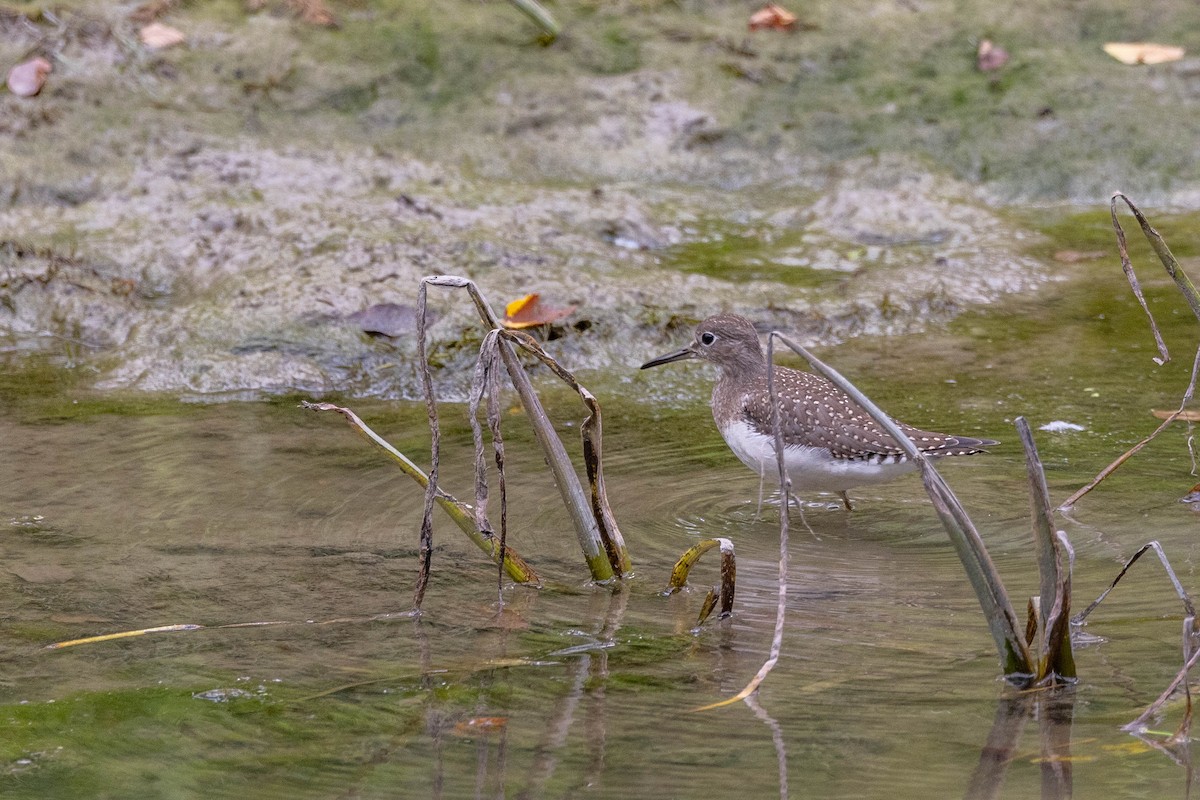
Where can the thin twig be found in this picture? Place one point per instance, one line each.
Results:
(1127, 266)
(785, 487)
(1111, 468)
(493, 416)
(459, 512)
(1154, 707)
(977, 562)
(1188, 607)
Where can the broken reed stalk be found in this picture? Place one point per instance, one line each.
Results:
(588, 528)
(540, 17)
(1015, 658)
(1054, 657)
(509, 560)
(591, 432)
(683, 567)
(1190, 295)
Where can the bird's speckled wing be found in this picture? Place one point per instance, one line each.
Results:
(815, 413)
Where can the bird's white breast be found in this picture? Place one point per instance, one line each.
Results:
(812, 469)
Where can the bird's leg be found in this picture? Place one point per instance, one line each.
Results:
(762, 477)
(846, 501)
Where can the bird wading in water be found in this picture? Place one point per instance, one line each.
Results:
(830, 443)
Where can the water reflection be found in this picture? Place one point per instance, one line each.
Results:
(1054, 711)
(885, 688)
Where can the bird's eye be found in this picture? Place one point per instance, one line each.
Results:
(707, 338)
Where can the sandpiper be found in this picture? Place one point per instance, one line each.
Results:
(831, 445)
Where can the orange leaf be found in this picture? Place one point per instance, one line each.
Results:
(27, 78)
(314, 12)
(1143, 52)
(529, 312)
(772, 16)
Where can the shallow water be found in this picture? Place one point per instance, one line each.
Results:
(125, 514)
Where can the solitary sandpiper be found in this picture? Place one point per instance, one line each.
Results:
(831, 445)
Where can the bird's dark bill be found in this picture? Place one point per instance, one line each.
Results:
(678, 355)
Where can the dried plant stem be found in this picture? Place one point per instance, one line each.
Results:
(1188, 607)
(587, 527)
(1055, 659)
(1190, 295)
(426, 547)
(1153, 709)
(985, 579)
(1111, 468)
(1165, 256)
(540, 16)
(785, 486)
(512, 563)
(591, 432)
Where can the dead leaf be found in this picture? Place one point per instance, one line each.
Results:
(314, 12)
(1143, 52)
(1075, 256)
(41, 573)
(151, 10)
(529, 312)
(389, 319)
(1186, 416)
(990, 57)
(480, 726)
(773, 17)
(157, 36)
(27, 78)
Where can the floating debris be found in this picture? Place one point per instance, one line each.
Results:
(1061, 426)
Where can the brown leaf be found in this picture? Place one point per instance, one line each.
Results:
(990, 57)
(480, 726)
(27, 78)
(773, 17)
(157, 36)
(529, 312)
(1186, 416)
(150, 10)
(389, 319)
(1075, 256)
(1143, 52)
(314, 12)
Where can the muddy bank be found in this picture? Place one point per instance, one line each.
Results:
(206, 220)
